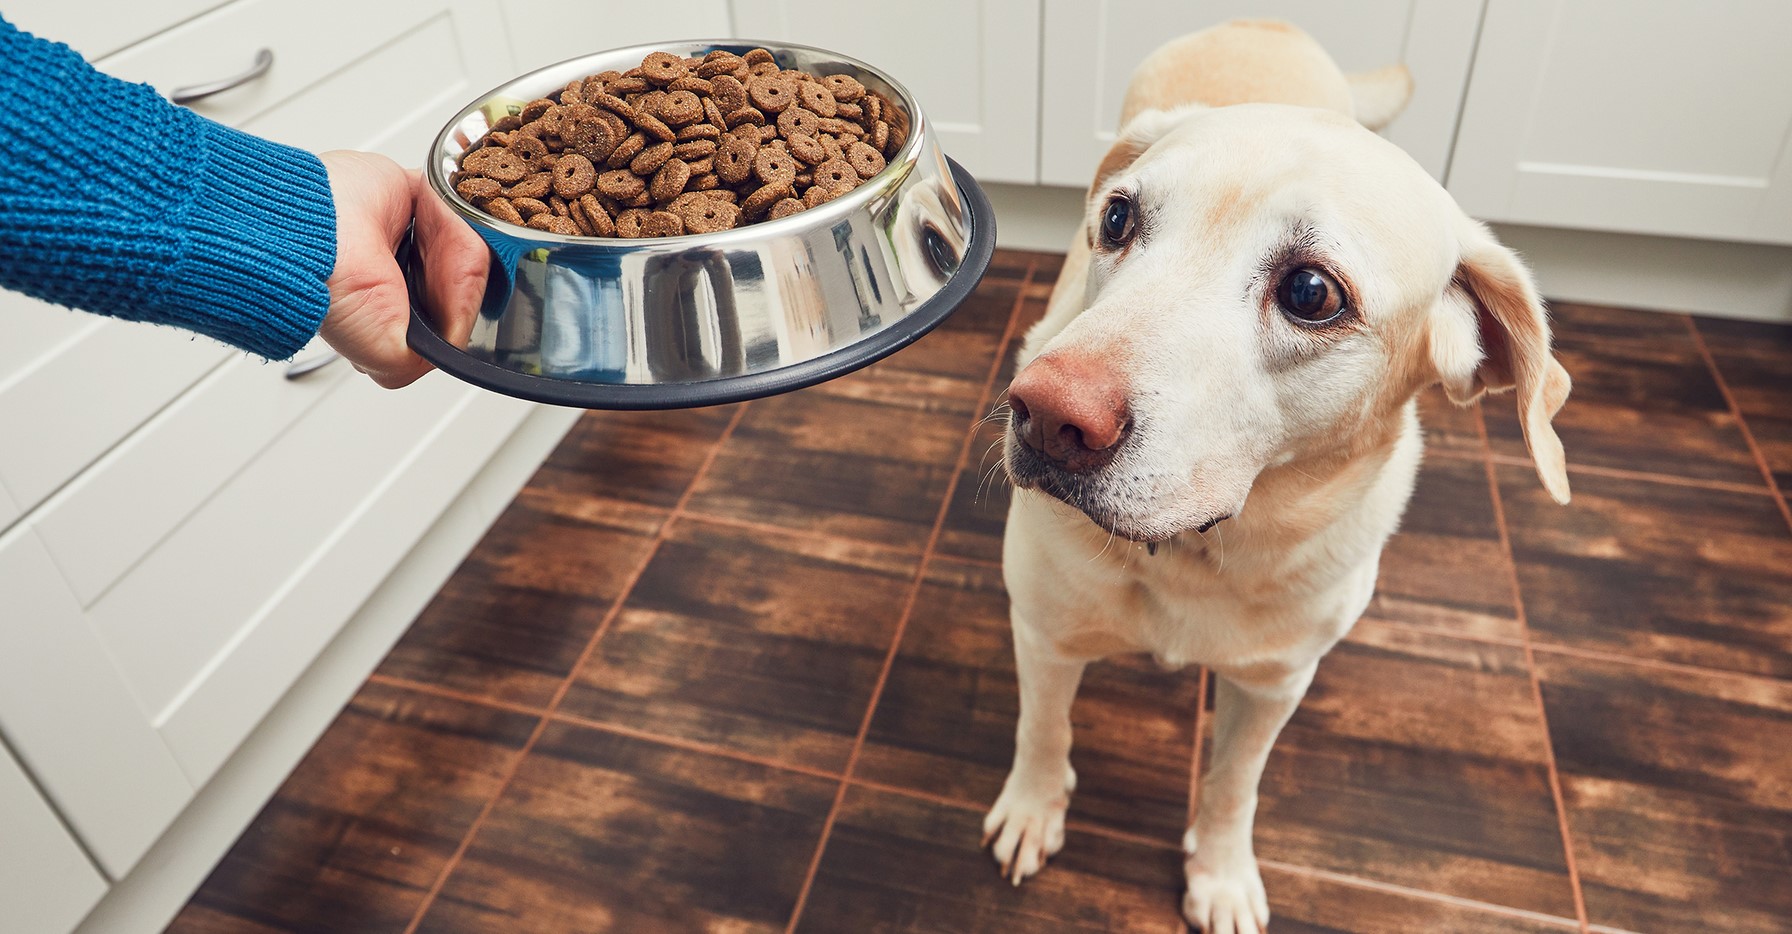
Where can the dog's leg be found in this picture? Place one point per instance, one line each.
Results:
(1225, 892)
(1027, 821)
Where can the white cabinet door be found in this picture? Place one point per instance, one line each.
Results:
(1673, 119)
(1091, 49)
(46, 883)
(973, 66)
(543, 32)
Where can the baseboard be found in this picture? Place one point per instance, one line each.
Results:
(1710, 277)
(144, 901)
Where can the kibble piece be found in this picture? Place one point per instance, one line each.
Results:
(758, 56)
(866, 160)
(663, 68)
(628, 223)
(722, 194)
(728, 93)
(650, 159)
(496, 163)
(529, 207)
(503, 210)
(746, 116)
(849, 111)
(765, 196)
(595, 214)
(817, 98)
(845, 88)
(765, 69)
(554, 223)
(669, 181)
(573, 175)
(620, 184)
(715, 65)
(662, 224)
(533, 110)
(708, 215)
(613, 104)
(836, 173)
(821, 194)
(534, 186)
(690, 83)
(785, 208)
(655, 128)
(627, 150)
(807, 148)
(771, 93)
(680, 108)
(507, 123)
(706, 182)
(734, 159)
(695, 149)
(627, 84)
(880, 136)
(477, 187)
(774, 166)
(797, 120)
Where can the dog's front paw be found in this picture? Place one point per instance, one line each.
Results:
(1027, 825)
(1225, 894)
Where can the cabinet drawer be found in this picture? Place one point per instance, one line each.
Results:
(117, 510)
(46, 883)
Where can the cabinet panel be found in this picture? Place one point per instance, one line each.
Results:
(97, 28)
(46, 882)
(69, 717)
(543, 32)
(1091, 49)
(1583, 114)
(973, 66)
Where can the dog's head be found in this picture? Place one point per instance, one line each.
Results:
(1267, 285)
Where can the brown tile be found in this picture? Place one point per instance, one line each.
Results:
(626, 469)
(1451, 428)
(1446, 569)
(600, 832)
(1306, 904)
(758, 641)
(511, 622)
(945, 722)
(868, 456)
(1658, 570)
(1643, 399)
(360, 830)
(1419, 760)
(895, 863)
(1677, 794)
(1755, 359)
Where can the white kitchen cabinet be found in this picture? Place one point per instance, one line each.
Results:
(1599, 114)
(973, 66)
(46, 882)
(1091, 49)
(543, 32)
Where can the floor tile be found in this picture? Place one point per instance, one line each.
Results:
(895, 863)
(1657, 570)
(945, 723)
(868, 456)
(1446, 569)
(1419, 760)
(600, 832)
(361, 829)
(511, 622)
(627, 469)
(1306, 904)
(1643, 399)
(1677, 794)
(758, 641)
(965, 344)
(1755, 359)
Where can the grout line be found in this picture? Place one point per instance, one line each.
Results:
(1678, 668)
(691, 745)
(1409, 892)
(1748, 436)
(1618, 473)
(1530, 662)
(447, 693)
(622, 594)
(789, 532)
(914, 593)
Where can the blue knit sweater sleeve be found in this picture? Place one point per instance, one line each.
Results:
(115, 201)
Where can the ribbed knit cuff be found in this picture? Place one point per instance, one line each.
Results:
(260, 245)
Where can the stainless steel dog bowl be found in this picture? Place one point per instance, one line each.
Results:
(711, 318)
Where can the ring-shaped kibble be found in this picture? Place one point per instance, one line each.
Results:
(628, 223)
(865, 160)
(653, 127)
(845, 88)
(815, 96)
(734, 160)
(722, 194)
(669, 181)
(764, 197)
(699, 86)
(573, 175)
(663, 68)
(763, 69)
(707, 182)
(559, 205)
(503, 210)
(848, 111)
(699, 132)
(590, 88)
(746, 116)
(874, 107)
(833, 147)
(771, 93)
(650, 159)
(680, 108)
(758, 56)
(648, 103)
(573, 93)
(594, 139)
(785, 208)
(774, 166)
(533, 110)
(679, 204)
(478, 187)
(553, 223)
(613, 104)
(601, 223)
(807, 148)
(797, 120)
(700, 166)
(626, 84)
(707, 215)
(719, 65)
(713, 115)
(819, 195)
(836, 173)
(728, 93)
(537, 185)
(529, 207)
(627, 150)
(498, 164)
(880, 136)
(620, 184)
(662, 224)
(695, 149)
(506, 123)
(531, 149)
(584, 223)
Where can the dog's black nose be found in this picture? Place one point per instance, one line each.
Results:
(1070, 409)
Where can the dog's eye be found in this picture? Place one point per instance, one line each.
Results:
(1310, 295)
(1117, 223)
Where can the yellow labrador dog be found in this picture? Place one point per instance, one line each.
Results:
(1214, 430)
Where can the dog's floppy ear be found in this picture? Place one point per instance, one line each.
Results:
(1492, 334)
(1380, 95)
(1136, 137)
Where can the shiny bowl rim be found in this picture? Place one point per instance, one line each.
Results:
(898, 166)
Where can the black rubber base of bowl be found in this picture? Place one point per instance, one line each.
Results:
(980, 246)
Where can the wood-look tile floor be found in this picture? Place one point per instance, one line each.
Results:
(748, 669)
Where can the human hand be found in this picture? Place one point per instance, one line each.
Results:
(370, 305)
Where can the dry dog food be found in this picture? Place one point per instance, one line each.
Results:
(681, 146)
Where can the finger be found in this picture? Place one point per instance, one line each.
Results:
(455, 262)
(369, 326)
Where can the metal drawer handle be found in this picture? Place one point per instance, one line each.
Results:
(264, 60)
(301, 368)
